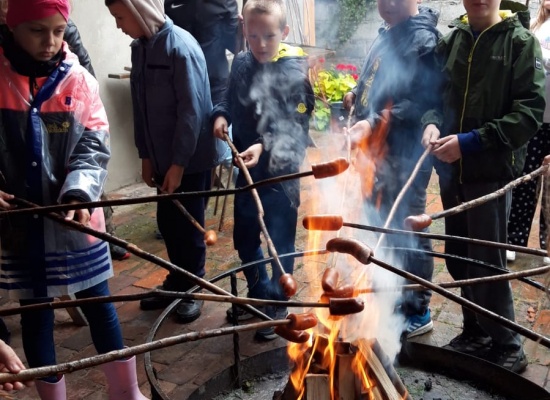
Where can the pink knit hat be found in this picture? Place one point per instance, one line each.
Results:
(20, 11)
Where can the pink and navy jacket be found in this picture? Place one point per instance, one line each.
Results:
(53, 146)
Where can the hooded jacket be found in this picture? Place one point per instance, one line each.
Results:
(54, 145)
(171, 97)
(270, 103)
(494, 85)
(397, 81)
(214, 24)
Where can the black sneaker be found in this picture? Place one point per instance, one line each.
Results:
(155, 303)
(118, 253)
(188, 311)
(510, 357)
(474, 345)
(242, 314)
(266, 334)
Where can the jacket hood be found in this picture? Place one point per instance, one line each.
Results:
(286, 50)
(427, 17)
(508, 10)
(149, 14)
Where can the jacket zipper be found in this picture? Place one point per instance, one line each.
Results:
(470, 57)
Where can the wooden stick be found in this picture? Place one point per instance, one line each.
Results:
(491, 196)
(163, 293)
(67, 367)
(465, 282)
(184, 211)
(155, 198)
(463, 302)
(401, 194)
(256, 196)
(132, 248)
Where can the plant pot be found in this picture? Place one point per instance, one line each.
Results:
(338, 117)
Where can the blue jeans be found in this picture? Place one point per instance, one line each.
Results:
(280, 218)
(37, 327)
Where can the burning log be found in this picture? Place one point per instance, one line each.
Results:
(420, 222)
(360, 371)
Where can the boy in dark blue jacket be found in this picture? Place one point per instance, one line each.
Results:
(171, 100)
(395, 88)
(268, 102)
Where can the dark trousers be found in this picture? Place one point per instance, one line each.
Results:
(280, 220)
(184, 242)
(484, 222)
(407, 250)
(525, 196)
(37, 327)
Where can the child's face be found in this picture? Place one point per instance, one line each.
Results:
(263, 33)
(41, 38)
(482, 9)
(125, 20)
(396, 11)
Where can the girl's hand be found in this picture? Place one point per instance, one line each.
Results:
(83, 215)
(430, 136)
(358, 133)
(447, 149)
(10, 362)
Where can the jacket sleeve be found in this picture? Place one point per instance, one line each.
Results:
(223, 108)
(230, 23)
(72, 37)
(515, 128)
(87, 163)
(433, 114)
(190, 86)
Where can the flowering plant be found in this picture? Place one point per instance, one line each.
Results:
(329, 86)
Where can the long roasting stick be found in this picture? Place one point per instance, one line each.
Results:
(401, 194)
(419, 222)
(287, 281)
(210, 236)
(318, 171)
(132, 248)
(67, 367)
(364, 255)
(350, 305)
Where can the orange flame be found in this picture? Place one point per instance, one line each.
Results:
(369, 155)
(372, 149)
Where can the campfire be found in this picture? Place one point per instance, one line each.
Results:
(327, 369)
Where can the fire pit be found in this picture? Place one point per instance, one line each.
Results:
(427, 372)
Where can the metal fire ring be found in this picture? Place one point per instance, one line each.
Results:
(417, 355)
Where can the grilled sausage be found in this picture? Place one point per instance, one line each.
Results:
(323, 222)
(354, 247)
(292, 335)
(331, 168)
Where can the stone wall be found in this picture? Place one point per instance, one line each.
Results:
(354, 51)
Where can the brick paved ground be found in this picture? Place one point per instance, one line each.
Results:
(183, 368)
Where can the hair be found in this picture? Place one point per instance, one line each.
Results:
(542, 16)
(110, 2)
(273, 7)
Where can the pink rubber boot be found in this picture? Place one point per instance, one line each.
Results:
(51, 391)
(122, 380)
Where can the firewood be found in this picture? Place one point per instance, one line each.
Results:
(317, 387)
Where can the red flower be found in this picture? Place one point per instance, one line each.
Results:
(355, 76)
(322, 60)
